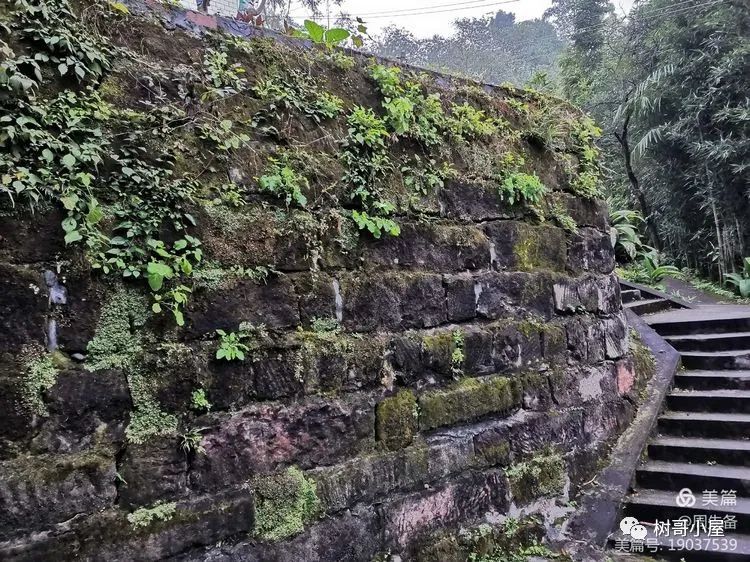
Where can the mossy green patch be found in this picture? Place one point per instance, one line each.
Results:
(535, 247)
(643, 360)
(147, 418)
(118, 344)
(396, 420)
(511, 541)
(145, 516)
(541, 475)
(468, 400)
(284, 504)
(118, 338)
(40, 374)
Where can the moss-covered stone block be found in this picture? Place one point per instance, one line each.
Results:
(541, 475)
(396, 420)
(284, 504)
(518, 246)
(468, 400)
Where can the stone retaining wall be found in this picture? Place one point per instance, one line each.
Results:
(454, 361)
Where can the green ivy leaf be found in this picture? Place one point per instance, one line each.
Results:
(69, 160)
(69, 201)
(73, 236)
(336, 35)
(315, 31)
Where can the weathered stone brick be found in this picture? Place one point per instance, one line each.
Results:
(466, 499)
(261, 438)
(37, 492)
(590, 294)
(368, 478)
(396, 420)
(274, 304)
(506, 294)
(350, 536)
(23, 308)
(524, 433)
(585, 212)
(519, 246)
(432, 246)
(108, 535)
(317, 297)
(392, 300)
(467, 201)
(152, 471)
(591, 250)
(461, 297)
(468, 400)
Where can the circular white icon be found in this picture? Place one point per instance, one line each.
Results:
(685, 498)
(627, 524)
(638, 532)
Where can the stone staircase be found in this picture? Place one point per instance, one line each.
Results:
(641, 302)
(702, 438)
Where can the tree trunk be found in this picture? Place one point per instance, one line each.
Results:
(635, 186)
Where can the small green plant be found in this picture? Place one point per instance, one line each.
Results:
(231, 347)
(190, 441)
(145, 516)
(221, 78)
(740, 281)
(457, 356)
(409, 112)
(649, 270)
(559, 214)
(587, 180)
(426, 177)
(365, 154)
(222, 135)
(332, 37)
(466, 122)
(624, 233)
(520, 187)
(199, 401)
(325, 325)
(377, 224)
(283, 181)
(293, 91)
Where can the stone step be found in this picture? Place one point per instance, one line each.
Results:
(711, 360)
(704, 424)
(730, 548)
(695, 450)
(663, 475)
(708, 380)
(699, 325)
(734, 401)
(648, 306)
(651, 505)
(711, 342)
(630, 295)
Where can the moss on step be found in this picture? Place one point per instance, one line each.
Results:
(396, 420)
(284, 504)
(541, 475)
(468, 400)
(643, 360)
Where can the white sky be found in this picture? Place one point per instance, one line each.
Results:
(380, 14)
